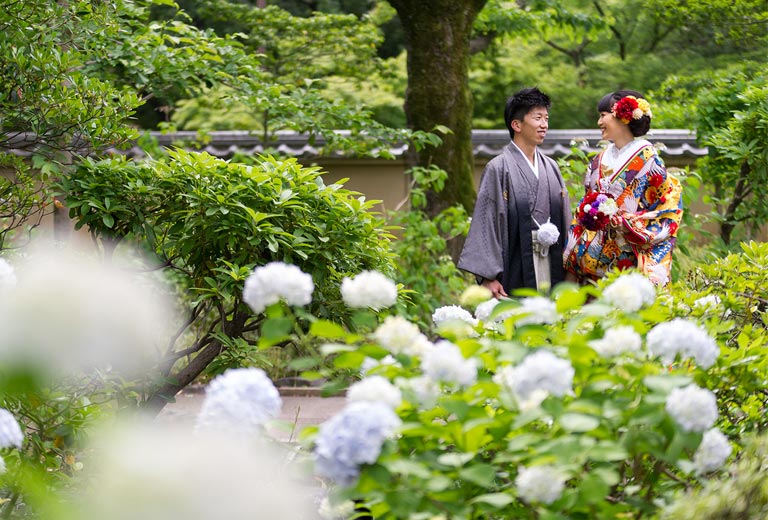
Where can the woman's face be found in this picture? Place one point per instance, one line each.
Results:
(611, 127)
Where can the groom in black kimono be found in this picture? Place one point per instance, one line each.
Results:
(521, 190)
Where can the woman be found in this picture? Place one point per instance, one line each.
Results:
(631, 209)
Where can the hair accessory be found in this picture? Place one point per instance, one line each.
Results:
(629, 107)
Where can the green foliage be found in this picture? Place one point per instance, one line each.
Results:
(425, 266)
(210, 222)
(730, 294)
(742, 494)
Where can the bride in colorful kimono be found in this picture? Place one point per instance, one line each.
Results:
(631, 209)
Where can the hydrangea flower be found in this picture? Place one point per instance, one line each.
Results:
(2, 466)
(617, 340)
(713, 451)
(474, 295)
(240, 400)
(351, 438)
(710, 300)
(400, 336)
(10, 431)
(340, 511)
(684, 337)
(277, 281)
(693, 408)
(538, 375)
(375, 389)
(452, 312)
(538, 310)
(629, 292)
(370, 363)
(424, 389)
(369, 289)
(7, 276)
(539, 484)
(445, 362)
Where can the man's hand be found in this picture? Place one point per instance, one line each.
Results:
(496, 288)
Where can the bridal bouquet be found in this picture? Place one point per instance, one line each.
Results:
(595, 210)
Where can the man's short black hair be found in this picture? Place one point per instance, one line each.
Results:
(523, 102)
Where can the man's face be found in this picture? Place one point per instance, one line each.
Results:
(533, 128)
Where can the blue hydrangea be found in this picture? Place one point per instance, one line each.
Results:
(351, 438)
(239, 400)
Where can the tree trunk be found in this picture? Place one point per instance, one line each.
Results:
(437, 35)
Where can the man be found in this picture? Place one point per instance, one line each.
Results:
(521, 192)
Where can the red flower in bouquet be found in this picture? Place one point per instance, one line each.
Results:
(595, 210)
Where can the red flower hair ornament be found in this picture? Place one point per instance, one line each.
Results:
(629, 108)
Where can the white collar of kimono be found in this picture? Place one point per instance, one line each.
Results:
(534, 165)
(615, 158)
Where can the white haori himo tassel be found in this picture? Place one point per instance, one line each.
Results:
(547, 233)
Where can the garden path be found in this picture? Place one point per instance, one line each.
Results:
(301, 408)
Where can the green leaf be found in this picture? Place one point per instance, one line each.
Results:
(578, 422)
(496, 500)
(666, 383)
(481, 474)
(327, 329)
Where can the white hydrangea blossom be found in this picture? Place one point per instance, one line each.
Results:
(538, 375)
(239, 400)
(452, 312)
(351, 438)
(2, 466)
(10, 431)
(400, 336)
(375, 389)
(445, 362)
(539, 484)
(370, 363)
(693, 408)
(341, 511)
(424, 389)
(629, 292)
(7, 276)
(684, 337)
(710, 300)
(369, 289)
(538, 309)
(616, 341)
(474, 295)
(713, 451)
(277, 281)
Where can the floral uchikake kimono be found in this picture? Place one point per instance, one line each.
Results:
(628, 217)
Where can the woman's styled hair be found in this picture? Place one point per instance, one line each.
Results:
(638, 127)
(522, 102)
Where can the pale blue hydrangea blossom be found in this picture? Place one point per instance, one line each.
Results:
(351, 438)
(10, 431)
(683, 337)
(400, 336)
(369, 289)
(445, 363)
(537, 309)
(452, 312)
(629, 292)
(538, 375)
(616, 341)
(239, 400)
(693, 408)
(7, 276)
(539, 484)
(276, 281)
(713, 451)
(375, 389)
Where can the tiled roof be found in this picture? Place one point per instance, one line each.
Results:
(486, 143)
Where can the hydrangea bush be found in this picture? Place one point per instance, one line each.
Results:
(594, 402)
